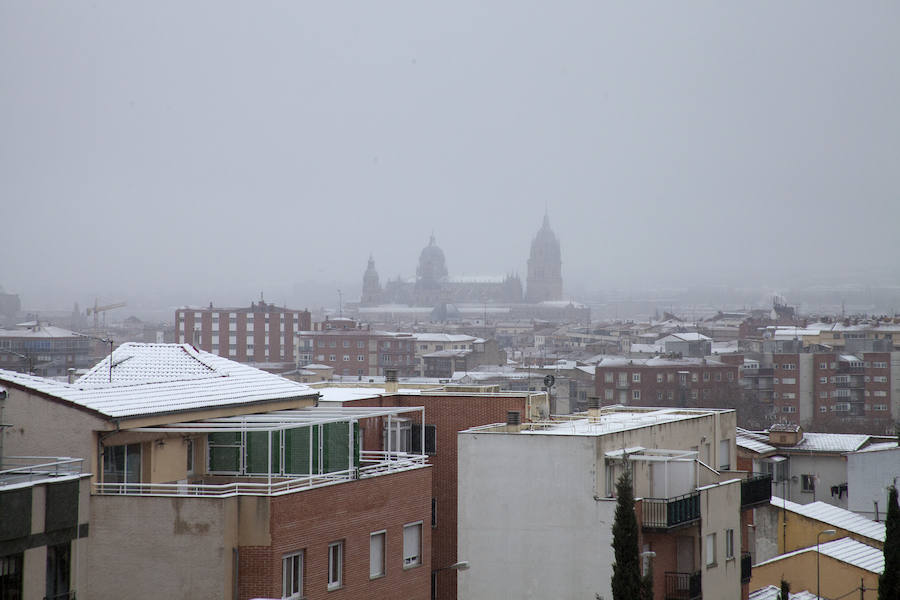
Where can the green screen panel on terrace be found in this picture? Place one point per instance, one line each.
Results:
(297, 451)
(225, 452)
(336, 446)
(258, 452)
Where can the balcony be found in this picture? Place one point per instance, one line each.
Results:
(746, 567)
(756, 491)
(669, 513)
(683, 586)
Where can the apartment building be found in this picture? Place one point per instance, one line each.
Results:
(447, 412)
(46, 350)
(806, 467)
(244, 487)
(354, 349)
(260, 333)
(840, 392)
(537, 504)
(44, 526)
(666, 381)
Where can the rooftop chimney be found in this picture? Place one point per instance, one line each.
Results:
(71, 373)
(390, 381)
(594, 407)
(513, 420)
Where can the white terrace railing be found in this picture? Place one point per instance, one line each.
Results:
(371, 464)
(25, 469)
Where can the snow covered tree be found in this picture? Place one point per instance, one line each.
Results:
(889, 581)
(626, 579)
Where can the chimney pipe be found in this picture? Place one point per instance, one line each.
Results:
(594, 407)
(513, 421)
(71, 374)
(390, 381)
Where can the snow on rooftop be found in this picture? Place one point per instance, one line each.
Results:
(846, 550)
(685, 337)
(771, 592)
(613, 421)
(659, 362)
(443, 337)
(164, 378)
(753, 443)
(880, 447)
(834, 516)
(830, 442)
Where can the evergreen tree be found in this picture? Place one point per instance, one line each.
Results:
(785, 590)
(626, 579)
(889, 581)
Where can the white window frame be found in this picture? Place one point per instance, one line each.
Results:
(411, 560)
(710, 550)
(729, 544)
(292, 588)
(335, 565)
(381, 571)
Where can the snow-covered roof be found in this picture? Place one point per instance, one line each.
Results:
(753, 442)
(834, 516)
(616, 420)
(40, 331)
(660, 362)
(880, 447)
(771, 592)
(729, 347)
(829, 442)
(846, 550)
(685, 337)
(647, 348)
(164, 378)
(444, 337)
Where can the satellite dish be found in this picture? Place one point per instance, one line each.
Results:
(549, 380)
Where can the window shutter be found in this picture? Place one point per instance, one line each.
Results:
(376, 555)
(411, 543)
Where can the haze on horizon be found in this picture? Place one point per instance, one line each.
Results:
(214, 149)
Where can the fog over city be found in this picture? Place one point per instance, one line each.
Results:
(185, 153)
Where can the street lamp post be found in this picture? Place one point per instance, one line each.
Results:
(821, 533)
(462, 565)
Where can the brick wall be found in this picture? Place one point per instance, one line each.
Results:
(348, 512)
(449, 414)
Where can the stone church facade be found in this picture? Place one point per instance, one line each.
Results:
(434, 286)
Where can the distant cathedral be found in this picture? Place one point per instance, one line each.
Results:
(434, 286)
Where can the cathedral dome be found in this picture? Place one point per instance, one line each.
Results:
(544, 266)
(432, 265)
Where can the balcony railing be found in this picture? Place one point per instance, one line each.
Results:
(683, 586)
(25, 469)
(666, 513)
(746, 567)
(371, 464)
(756, 490)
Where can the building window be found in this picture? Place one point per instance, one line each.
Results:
(608, 377)
(808, 483)
(360, 344)
(189, 448)
(346, 343)
(122, 464)
(608, 393)
(335, 565)
(694, 378)
(823, 380)
(718, 376)
(412, 545)
(659, 396)
(823, 365)
(823, 409)
(636, 377)
(331, 357)
(416, 438)
(433, 512)
(710, 550)
(292, 575)
(346, 358)
(724, 455)
(11, 576)
(705, 375)
(376, 554)
(635, 394)
(59, 561)
(729, 543)
(361, 357)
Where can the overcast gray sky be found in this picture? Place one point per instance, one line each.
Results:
(210, 146)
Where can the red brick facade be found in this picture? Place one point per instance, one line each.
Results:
(310, 520)
(707, 384)
(231, 332)
(449, 414)
(359, 352)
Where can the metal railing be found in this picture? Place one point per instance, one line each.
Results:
(683, 586)
(755, 490)
(746, 567)
(24, 469)
(372, 464)
(665, 513)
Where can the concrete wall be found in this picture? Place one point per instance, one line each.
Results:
(545, 536)
(806, 392)
(720, 511)
(837, 579)
(42, 427)
(160, 547)
(831, 470)
(868, 476)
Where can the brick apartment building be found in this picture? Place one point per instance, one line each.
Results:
(45, 350)
(260, 333)
(447, 413)
(353, 349)
(244, 488)
(682, 382)
(827, 390)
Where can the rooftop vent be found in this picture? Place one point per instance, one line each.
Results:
(513, 417)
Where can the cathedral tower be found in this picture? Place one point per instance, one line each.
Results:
(371, 291)
(544, 266)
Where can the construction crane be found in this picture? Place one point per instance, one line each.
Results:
(96, 310)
